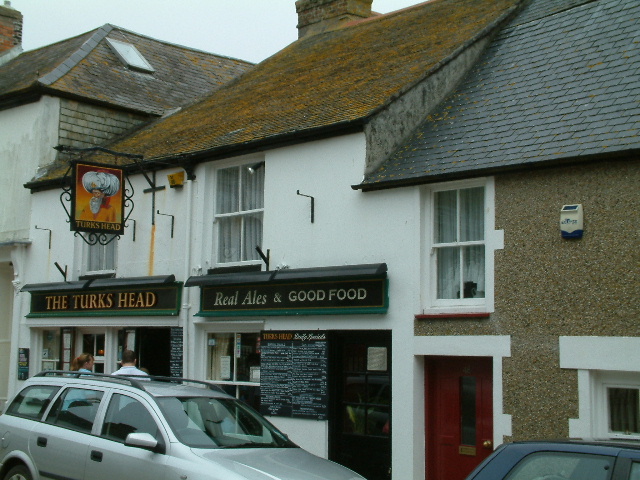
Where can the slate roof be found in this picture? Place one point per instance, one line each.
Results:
(86, 67)
(556, 85)
(327, 82)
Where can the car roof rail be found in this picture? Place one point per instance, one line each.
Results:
(210, 385)
(97, 376)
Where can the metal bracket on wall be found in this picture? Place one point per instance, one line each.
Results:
(47, 229)
(312, 203)
(172, 219)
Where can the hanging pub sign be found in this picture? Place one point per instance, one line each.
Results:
(97, 204)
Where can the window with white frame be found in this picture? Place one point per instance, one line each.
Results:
(101, 258)
(617, 405)
(458, 246)
(239, 210)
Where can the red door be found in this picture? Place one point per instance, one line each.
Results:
(459, 418)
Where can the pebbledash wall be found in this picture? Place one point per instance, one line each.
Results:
(568, 307)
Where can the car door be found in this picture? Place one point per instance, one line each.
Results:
(59, 445)
(110, 458)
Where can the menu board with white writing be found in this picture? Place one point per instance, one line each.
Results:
(293, 374)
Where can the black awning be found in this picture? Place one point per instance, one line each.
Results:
(98, 283)
(377, 270)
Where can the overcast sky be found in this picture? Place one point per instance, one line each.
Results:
(247, 29)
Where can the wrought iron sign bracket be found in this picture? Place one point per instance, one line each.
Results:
(66, 197)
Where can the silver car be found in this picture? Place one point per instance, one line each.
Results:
(100, 427)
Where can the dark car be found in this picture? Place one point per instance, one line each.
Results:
(561, 460)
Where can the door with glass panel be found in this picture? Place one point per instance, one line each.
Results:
(360, 421)
(234, 364)
(459, 415)
(92, 342)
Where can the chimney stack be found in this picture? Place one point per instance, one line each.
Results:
(317, 16)
(10, 27)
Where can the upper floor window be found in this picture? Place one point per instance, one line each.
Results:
(458, 248)
(239, 211)
(101, 258)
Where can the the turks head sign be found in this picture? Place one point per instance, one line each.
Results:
(97, 203)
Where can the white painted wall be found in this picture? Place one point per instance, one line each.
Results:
(27, 135)
(350, 228)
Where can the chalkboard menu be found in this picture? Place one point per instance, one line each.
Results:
(293, 374)
(175, 360)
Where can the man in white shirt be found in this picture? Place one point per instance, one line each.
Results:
(129, 360)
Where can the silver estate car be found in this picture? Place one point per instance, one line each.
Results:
(100, 427)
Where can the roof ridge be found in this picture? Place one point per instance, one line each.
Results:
(76, 57)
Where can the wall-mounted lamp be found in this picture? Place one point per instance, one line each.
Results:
(254, 168)
(176, 180)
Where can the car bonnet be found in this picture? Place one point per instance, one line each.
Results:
(277, 464)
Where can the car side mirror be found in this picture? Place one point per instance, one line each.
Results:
(145, 441)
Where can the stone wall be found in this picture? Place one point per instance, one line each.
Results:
(546, 287)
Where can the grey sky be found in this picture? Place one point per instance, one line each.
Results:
(247, 29)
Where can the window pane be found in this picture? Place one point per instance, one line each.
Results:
(448, 273)
(468, 411)
(253, 188)
(562, 465)
(248, 361)
(227, 194)
(32, 401)
(229, 238)
(473, 275)
(126, 415)
(102, 257)
(221, 349)
(446, 217)
(252, 236)
(472, 214)
(76, 409)
(624, 405)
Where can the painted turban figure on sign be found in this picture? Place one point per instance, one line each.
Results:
(102, 186)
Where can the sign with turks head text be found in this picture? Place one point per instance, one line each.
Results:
(97, 203)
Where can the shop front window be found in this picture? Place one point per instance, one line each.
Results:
(234, 364)
(51, 349)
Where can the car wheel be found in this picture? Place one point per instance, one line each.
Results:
(19, 472)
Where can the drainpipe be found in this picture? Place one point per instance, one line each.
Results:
(185, 310)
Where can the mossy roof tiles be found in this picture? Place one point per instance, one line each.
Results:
(323, 81)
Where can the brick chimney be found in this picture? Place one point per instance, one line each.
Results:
(10, 27)
(317, 16)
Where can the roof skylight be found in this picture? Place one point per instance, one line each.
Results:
(130, 56)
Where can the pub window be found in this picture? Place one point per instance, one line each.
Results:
(234, 364)
(239, 206)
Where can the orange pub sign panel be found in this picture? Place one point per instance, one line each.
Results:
(97, 199)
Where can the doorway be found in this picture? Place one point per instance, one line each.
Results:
(154, 350)
(92, 342)
(360, 425)
(458, 415)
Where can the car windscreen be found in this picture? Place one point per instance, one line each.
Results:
(208, 422)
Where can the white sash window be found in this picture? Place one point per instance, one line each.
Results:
(238, 213)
